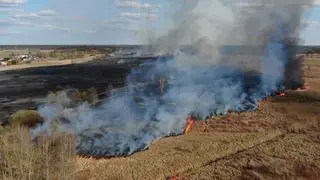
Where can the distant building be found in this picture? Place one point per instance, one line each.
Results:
(3, 64)
(22, 57)
(4, 59)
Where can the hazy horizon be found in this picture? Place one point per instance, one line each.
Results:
(104, 22)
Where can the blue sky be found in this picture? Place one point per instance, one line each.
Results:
(97, 21)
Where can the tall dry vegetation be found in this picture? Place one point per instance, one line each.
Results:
(47, 158)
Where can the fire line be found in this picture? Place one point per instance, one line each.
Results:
(189, 124)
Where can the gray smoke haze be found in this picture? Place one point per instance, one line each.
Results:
(201, 78)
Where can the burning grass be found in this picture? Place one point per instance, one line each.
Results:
(285, 127)
(282, 133)
(237, 144)
(189, 124)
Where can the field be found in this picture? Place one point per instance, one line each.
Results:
(26, 88)
(28, 57)
(281, 140)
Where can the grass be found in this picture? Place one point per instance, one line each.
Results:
(286, 157)
(78, 96)
(28, 118)
(48, 158)
(279, 141)
(89, 95)
(63, 54)
(4, 53)
(284, 134)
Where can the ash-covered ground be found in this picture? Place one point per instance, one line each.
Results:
(26, 88)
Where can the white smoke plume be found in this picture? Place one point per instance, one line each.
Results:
(201, 78)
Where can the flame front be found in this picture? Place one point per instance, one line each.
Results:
(190, 122)
(176, 178)
(281, 93)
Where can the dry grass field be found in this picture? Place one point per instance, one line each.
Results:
(48, 158)
(279, 141)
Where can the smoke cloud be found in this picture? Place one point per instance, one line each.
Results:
(202, 76)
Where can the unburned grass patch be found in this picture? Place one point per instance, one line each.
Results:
(290, 156)
(298, 97)
(27, 118)
(47, 158)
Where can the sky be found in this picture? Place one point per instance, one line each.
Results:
(99, 21)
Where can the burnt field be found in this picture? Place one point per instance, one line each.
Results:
(25, 88)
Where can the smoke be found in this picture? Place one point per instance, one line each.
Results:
(199, 78)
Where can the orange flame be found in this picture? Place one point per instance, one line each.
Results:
(190, 122)
(176, 178)
(259, 104)
(173, 178)
(281, 93)
(304, 88)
